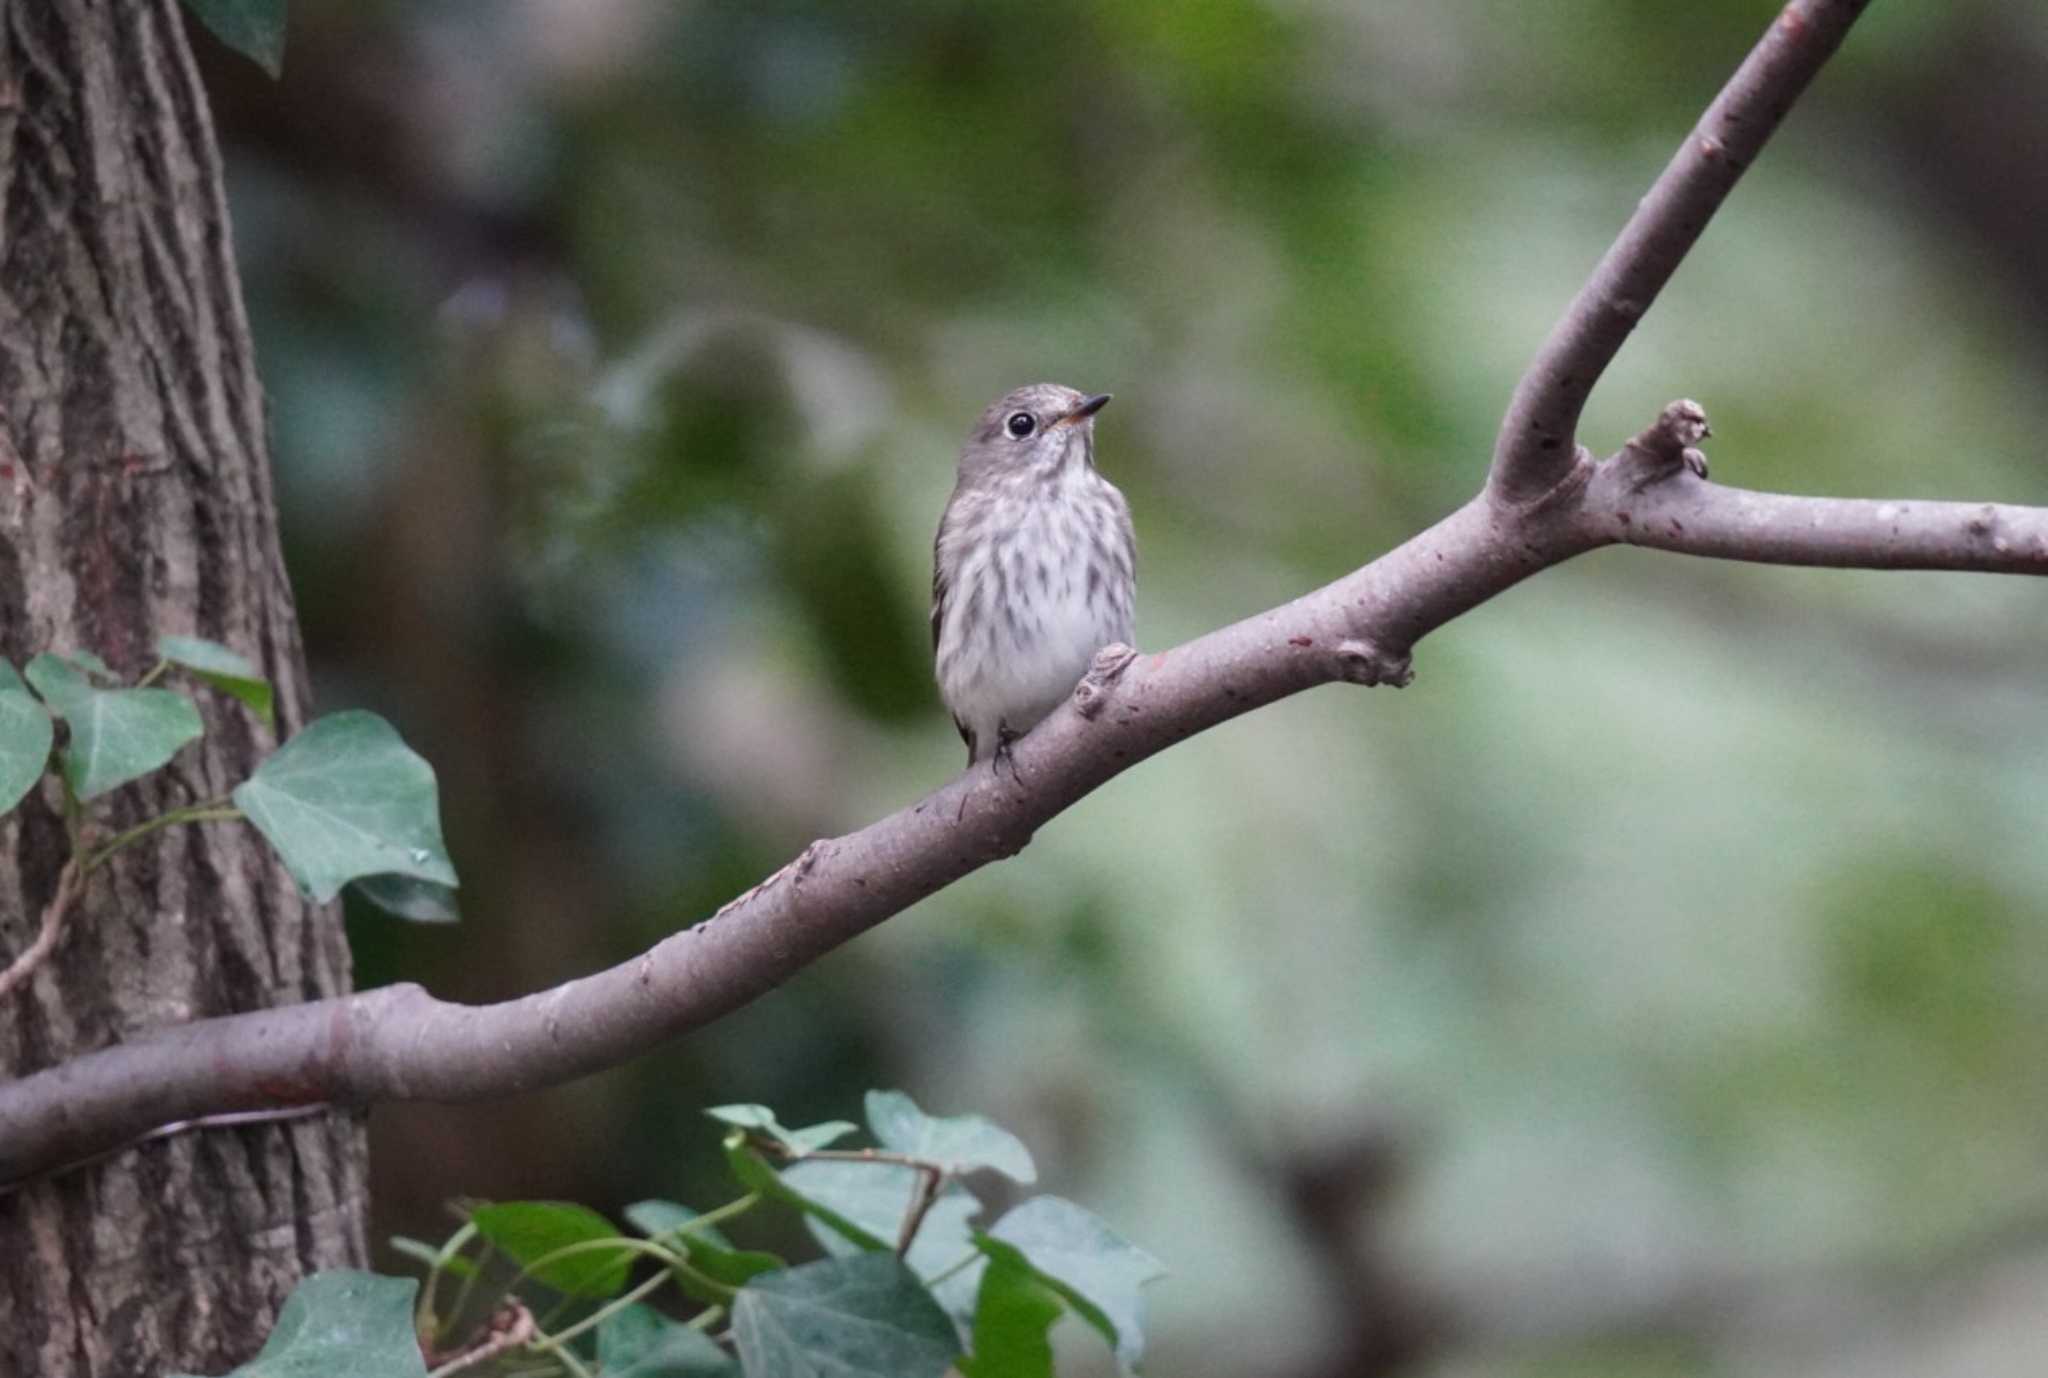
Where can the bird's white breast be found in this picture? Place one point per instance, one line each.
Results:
(1024, 614)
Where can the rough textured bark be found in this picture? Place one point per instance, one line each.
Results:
(135, 500)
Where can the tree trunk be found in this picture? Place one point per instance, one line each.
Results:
(135, 500)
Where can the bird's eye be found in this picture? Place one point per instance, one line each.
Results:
(1021, 424)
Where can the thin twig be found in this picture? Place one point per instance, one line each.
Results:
(511, 1327)
(931, 1180)
(69, 882)
(931, 1176)
(841, 1155)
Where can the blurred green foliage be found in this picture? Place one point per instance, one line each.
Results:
(1672, 946)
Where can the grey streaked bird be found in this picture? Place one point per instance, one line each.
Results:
(1034, 569)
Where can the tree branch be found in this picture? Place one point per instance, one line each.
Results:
(1537, 446)
(399, 1043)
(1642, 496)
(1543, 505)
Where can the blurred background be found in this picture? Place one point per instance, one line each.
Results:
(1658, 986)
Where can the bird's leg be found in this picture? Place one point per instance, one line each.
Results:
(1003, 755)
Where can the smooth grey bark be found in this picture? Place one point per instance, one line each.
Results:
(399, 1043)
(135, 501)
(1538, 435)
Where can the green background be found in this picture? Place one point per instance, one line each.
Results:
(1656, 986)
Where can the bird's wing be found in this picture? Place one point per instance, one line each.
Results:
(941, 586)
(942, 589)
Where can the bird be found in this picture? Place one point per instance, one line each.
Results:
(1034, 568)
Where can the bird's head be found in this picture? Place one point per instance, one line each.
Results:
(1042, 427)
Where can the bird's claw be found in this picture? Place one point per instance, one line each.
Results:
(1004, 756)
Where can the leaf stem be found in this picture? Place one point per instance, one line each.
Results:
(845, 1155)
(931, 1180)
(456, 1243)
(213, 811)
(74, 812)
(668, 1258)
(960, 1264)
(156, 672)
(568, 1360)
(602, 1314)
(461, 1302)
(718, 1216)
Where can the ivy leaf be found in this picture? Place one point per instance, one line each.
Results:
(753, 1172)
(960, 1143)
(799, 1142)
(116, 734)
(659, 1219)
(640, 1342)
(528, 1231)
(253, 28)
(864, 1317)
(215, 664)
(25, 736)
(1094, 1268)
(409, 897)
(813, 1137)
(344, 799)
(342, 1324)
(1014, 1311)
(876, 1197)
(756, 1117)
(87, 661)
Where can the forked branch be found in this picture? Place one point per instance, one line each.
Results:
(1543, 504)
(1538, 437)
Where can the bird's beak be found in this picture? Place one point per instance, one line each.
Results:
(1088, 407)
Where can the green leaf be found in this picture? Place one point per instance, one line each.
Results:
(813, 1137)
(62, 684)
(745, 1117)
(864, 1317)
(660, 1219)
(732, 1267)
(528, 1231)
(1086, 1262)
(409, 897)
(253, 28)
(640, 1342)
(342, 1324)
(1014, 1313)
(346, 799)
(876, 1197)
(753, 1172)
(86, 660)
(799, 1142)
(223, 669)
(25, 736)
(960, 1143)
(709, 1252)
(116, 734)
